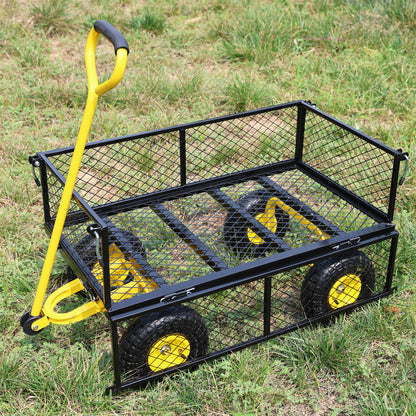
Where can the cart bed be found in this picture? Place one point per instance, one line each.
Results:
(173, 189)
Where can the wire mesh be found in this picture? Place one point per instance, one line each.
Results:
(249, 312)
(267, 202)
(349, 160)
(185, 237)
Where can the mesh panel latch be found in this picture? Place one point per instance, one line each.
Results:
(177, 295)
(94, 230)
(35, 162)
(406, 168)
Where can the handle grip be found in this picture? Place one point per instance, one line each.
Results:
(112, 34)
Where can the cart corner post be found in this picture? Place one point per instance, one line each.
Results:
(300, 132)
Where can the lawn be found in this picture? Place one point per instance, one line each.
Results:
(192, 60)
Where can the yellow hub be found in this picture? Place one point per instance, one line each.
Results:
(345, 291)
(168, 351)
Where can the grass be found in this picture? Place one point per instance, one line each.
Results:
(191, 60)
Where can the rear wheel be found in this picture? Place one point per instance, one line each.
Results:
(163, 340)
(337, 282)
(244, 241)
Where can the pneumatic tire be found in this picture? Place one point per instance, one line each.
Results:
(162, 340)
(337, 282)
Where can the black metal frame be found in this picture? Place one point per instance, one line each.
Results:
(222, 277)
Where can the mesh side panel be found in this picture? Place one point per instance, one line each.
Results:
(233, 316)
(121, 170)
(229, 318)
(286, 307)
(242, 143)
(379, 256)
(348, 160)
(143, 165)
(55, 190)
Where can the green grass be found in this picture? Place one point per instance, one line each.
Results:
(191, 60)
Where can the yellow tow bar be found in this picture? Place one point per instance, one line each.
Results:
(42, 313)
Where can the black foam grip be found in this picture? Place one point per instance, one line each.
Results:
(112, 34)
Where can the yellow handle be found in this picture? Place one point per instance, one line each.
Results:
(94, 91)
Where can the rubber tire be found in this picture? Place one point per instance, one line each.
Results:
(144, 331)
(86, 248)
(322, 276)
(26, 322)
(235, 228)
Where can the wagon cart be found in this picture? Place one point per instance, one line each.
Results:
(201, 239)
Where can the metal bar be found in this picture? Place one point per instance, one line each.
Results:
(300, 133)
(45, 193)
(189, 238)
(116, 356)
(182, 155)
(321, 222)
(106, 268)
(393, 185)
(390, 266)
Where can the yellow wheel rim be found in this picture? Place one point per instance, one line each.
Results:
(268, 219)
(168, 351)
(345, 291)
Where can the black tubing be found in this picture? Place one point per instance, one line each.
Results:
(112, 34)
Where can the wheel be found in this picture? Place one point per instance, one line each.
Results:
(241, 239)
(337, 282)
(86, 248)
(162, 340)
(26, 322)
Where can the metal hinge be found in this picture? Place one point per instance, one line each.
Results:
(351, 242)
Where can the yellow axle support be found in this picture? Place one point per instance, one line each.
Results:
(268, 219)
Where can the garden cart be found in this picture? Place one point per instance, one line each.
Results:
(203, 238)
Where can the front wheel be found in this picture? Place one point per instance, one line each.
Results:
(337, 282)
(162, 340)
